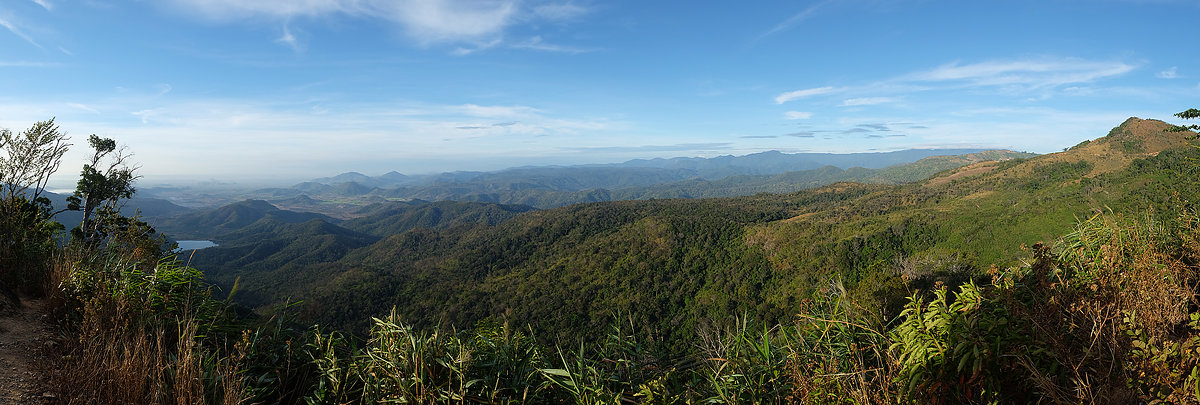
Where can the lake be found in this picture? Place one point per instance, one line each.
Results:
(185, 245)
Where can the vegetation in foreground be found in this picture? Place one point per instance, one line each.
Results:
(1108, 313)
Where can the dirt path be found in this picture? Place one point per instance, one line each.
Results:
(25, 337)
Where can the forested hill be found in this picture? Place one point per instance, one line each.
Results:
(549, 187)
(675, 266)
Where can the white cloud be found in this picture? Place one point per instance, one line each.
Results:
(566, 11)
(536, 43)
(45, 4)
(84, 107)
(284, 136)
(480, 46)
(494, 111)
(792, 95)
(1169, 73)
(430, 21)
(866, 101)
(793, 20)
(289, 40)
(29, 64)
(147, 114)
(1029, 73)
(797, 115)
(17, 31)
(425, 21)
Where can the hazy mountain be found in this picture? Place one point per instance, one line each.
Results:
(218, 224)
(727, 176)
(146, 207)
(773, 162)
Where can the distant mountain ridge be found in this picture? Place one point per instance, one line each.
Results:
(555, 186)
(762, 163)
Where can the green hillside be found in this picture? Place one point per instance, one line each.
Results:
(678, 266)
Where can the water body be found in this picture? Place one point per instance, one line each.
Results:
(185, 245)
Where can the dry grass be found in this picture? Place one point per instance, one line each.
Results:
(120, 352)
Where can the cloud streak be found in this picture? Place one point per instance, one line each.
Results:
(792, 95)
(797, 115)
(475, 22)
(794, 20)
(18, 32)
(1029, 73)
(680, 147)
(854, 102)
(29, 64)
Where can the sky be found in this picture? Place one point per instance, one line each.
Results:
(234, 90)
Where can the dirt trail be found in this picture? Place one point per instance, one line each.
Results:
(25, 338)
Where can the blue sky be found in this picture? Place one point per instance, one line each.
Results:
(235, 90)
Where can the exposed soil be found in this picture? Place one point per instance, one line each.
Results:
(25, 341)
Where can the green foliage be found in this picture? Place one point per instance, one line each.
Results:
(27, 229)
(1187, 115)
(105, 180)
(949, 350)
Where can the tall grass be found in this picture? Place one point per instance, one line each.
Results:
(141, 336)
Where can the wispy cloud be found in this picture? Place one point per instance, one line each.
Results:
(163, 89)
(797, 115)
(852, 102)
(1171, 73)
(1029, 73)
(432, 21)
(84, 108)
(495, 111)
(804, 134)
(474, 22)
(793, 20)
(18, 32)
(792, 95)
(680, 147)
(537, 44)
(288, 39)
(877, 127)
(29, 64)
(758, 136)
(46, 4)
(560, 12)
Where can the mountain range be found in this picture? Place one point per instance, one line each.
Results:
(677, 266)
